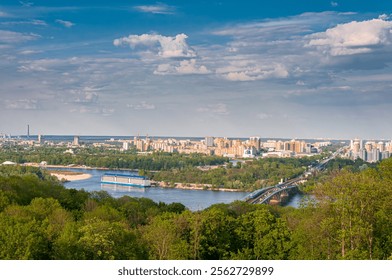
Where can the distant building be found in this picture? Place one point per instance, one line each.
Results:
(249, 153)
(209, 141)
(40, 139)
(76, 141)
(385, 154)
(255, 142)
(125, 146)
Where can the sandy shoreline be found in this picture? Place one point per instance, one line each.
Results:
(70, 177)
(84, 176)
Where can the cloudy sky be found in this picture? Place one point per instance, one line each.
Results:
(283, 68)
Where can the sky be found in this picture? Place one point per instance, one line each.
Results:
(278, 69)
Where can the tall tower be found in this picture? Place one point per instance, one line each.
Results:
(28, 131)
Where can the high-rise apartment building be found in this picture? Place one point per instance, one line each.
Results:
(209, 141)
(76, 141)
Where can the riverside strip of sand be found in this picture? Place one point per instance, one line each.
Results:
(69, 176)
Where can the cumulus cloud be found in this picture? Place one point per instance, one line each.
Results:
(142, 106)
(384, 17)
(185, 67)
(65, 23)
(353, 38)
(169, 47)
(156, 9)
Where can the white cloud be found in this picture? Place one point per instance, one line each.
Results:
(86, 97)
(22, 104)
(10, 37)
(170, 47)
(28, 52)
(334, 4)
(142, 106)
(37, 22)
(40, 65)
(244, 70)
(353, 38)
(32, 68)
(184, 67)
(65, 23)
(216, 109)
(89, 110)
(384, 17)
(156, 9)
(189, 67)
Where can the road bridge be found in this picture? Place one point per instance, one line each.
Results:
(279, 193)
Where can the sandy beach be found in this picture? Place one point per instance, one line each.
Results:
(71, 177)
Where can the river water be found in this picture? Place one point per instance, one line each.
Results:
(193, 199)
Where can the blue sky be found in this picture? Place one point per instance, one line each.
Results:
(293, 69)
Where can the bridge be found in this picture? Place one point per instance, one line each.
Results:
(280, 193)
(275, 194)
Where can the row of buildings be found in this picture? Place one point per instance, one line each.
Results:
(234, 148)
(370, 151)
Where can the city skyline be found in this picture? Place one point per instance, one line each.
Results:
(220, 68)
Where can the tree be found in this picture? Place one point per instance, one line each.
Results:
(354, 204)
(217, 234)
(165, 237)
(262, 236)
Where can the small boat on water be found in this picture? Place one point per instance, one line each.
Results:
(125, 180)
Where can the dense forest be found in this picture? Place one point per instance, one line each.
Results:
(113, 159)
(248, 176)
(350, 217)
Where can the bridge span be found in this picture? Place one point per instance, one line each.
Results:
(280, 193)
(274, 194)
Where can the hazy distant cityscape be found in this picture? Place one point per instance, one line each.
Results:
(253, 147)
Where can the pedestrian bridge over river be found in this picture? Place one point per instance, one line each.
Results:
(280, 193)
(277, 194)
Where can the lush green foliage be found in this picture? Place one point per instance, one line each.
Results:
(113, 159)
(350, 218)
(249, 175)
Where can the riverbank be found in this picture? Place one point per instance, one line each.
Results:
(69, 176)
(180, 186)
(188, 186)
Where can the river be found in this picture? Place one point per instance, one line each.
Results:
(193, 199)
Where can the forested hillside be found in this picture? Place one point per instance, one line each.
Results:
(350, 218)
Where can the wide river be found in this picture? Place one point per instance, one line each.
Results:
(193, 199)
